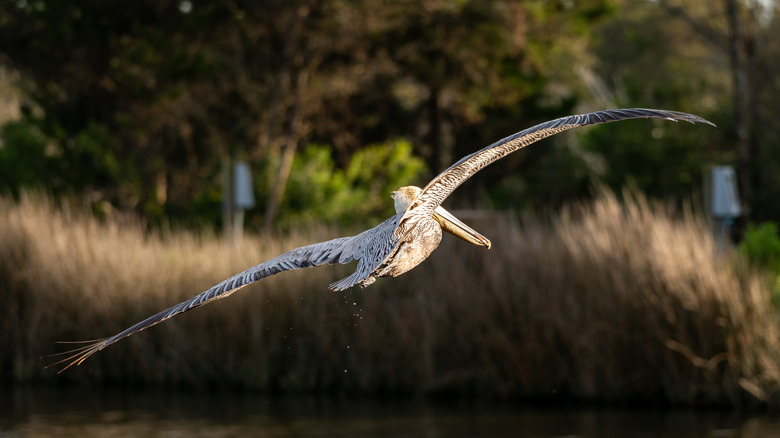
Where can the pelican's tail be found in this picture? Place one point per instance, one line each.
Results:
(352, 280)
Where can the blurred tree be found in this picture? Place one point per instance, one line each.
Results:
(138, 105)
(355, 195)
(737, 39)
(113, 94)
(712, 58)
(177, 85)
(23, 163)
(638, 61)
(469, 73)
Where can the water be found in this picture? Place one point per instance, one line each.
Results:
(79, 412)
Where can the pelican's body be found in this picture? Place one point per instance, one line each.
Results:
(413, 239)
(399, 243)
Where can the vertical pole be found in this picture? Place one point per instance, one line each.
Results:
(238, 225)
(228, 206)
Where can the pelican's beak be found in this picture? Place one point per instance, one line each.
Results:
(453, 225)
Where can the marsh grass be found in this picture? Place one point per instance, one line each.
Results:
(612, 301)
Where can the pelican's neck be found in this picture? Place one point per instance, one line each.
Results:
(403, 197)
(400, 204)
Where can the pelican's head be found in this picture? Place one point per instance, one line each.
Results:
(404, 197)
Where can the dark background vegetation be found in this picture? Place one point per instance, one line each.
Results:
(136, 105)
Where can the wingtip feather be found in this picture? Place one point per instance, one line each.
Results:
(76, 356)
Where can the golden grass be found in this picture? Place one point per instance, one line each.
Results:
(610, 301)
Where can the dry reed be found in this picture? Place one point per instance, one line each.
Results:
(611, 301)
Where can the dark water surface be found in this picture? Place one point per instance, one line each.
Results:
(87, 412)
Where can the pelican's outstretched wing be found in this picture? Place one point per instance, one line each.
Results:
(370, 248)
(446, 182)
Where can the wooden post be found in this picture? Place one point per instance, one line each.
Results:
(228, 206)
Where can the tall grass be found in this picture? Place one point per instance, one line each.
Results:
(610, 301)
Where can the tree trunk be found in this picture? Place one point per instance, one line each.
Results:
(441, 144)
(292, 78)
(741, 52)
(293, 134)
(740, 109)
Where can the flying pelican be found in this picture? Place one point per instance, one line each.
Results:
(401, 242)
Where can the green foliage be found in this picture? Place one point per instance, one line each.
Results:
(319, 191)
(661, 159)
(139, 105)
(101, 154)
(540, 184)
(156, 97)
(642, 64)
(761, 246)
(90, 159)
(25, 156)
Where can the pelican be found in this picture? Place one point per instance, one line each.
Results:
(399, 243)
